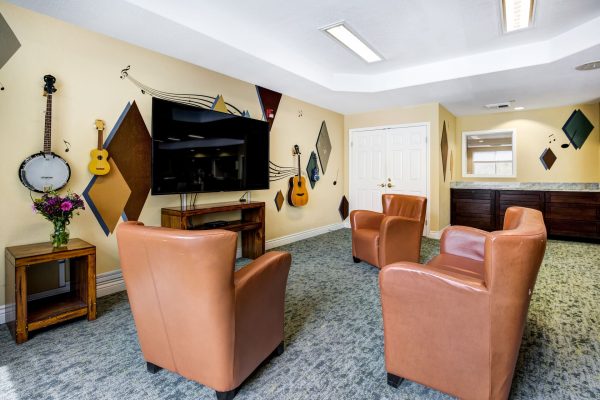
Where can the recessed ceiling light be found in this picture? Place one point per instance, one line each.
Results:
(588, 66)
(349, 39)
(517, 14)
(519, 108)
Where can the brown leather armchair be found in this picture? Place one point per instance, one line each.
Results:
(194, 315)
(456, 323)
(394, 235)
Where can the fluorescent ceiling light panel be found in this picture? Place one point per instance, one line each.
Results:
(345, 36)
(518, 14)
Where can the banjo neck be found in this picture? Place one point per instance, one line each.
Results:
(48, 125)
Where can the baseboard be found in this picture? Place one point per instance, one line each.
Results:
(294, 237)
(109, 283)
(112, 282)
(437, 234)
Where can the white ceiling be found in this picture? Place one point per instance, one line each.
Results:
(450, 51)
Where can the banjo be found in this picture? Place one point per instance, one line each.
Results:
(45, 171)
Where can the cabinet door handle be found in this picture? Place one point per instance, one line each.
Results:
(381, 185)
(390, 185)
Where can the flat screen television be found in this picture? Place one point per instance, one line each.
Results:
(195, 150)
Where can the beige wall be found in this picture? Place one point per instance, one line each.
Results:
(87, 67)
(533, 128)
(429, 113)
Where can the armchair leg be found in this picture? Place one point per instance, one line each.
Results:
(152, 368)
(278, 350)
(356, 259)
(228, 395)
(394, 380)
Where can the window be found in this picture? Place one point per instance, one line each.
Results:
(489, 154)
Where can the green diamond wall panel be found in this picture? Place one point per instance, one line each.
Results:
(577, 128)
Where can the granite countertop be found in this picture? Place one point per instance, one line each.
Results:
(555, 186)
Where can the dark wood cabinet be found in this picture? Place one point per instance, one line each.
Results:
(473, 207)
(566, 214)
(573, 214)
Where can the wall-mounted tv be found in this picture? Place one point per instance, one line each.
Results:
(195, 150)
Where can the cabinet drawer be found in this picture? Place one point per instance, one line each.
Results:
(571, 213)
(517, 196)
(467, 207)
(573, 197)
(573, 228)
(472, 194)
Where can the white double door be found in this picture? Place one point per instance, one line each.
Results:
(387, 160)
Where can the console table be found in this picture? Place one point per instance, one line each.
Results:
(78, 302)
(251, 224)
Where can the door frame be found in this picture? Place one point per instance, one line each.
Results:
(427, 126)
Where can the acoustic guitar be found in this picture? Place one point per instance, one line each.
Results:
(298, 191)
(98, 165)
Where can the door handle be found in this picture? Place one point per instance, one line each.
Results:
(381, 185)
(390, 185)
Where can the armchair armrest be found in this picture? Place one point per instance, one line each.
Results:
(259, 309)
(364, 219)
(399, 240)
(464, 241)
(430, 318)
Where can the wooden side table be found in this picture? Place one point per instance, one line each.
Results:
(79, 301)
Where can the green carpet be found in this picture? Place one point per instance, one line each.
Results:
(333, 336)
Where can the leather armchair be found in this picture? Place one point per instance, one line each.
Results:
(391, 236)
(456, 323)
(194, 315)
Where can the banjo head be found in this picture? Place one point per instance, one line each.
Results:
(43, 172)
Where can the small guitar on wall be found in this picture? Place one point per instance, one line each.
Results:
(98, 165)
(298, 191)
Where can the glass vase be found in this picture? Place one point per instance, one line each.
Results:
(60, 236)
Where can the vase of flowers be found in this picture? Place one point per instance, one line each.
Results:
(59, 210)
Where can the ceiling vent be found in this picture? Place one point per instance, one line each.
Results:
(498, 106)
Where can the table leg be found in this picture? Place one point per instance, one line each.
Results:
(21, 334)
(91, 285)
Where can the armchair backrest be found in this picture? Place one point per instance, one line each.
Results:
(512, 260)
(404, 205)
(181, 291)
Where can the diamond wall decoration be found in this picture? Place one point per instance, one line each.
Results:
(106, 196)
(269, 99)
(444, 148)
(125, 189)
(9, 44)
(548, 158)
(578, 128)
(312, 170)
(323, 147)
(279, 200)
(344, 208)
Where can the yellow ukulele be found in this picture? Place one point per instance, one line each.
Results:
(298, 191)
(98, 165)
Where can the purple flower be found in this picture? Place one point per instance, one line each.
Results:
(66, 206)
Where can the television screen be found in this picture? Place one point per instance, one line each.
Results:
(197, 150)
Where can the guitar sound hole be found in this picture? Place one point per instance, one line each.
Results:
(99, 157)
